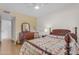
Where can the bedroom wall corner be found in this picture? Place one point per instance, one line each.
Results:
(21, 18)
(65, 19)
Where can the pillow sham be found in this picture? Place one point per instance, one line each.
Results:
(56, 36)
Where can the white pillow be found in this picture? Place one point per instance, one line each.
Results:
(56, 36)
(61, 37)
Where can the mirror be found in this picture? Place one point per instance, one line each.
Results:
(25, 27)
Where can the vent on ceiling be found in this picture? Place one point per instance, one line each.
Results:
(6, 12)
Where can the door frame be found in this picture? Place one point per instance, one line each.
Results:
(12, 27)
(0, 28)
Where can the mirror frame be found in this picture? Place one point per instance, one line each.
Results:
(22, 27)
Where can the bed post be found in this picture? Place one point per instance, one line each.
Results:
(67, 39)
(76, 32)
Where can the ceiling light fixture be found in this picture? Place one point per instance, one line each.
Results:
(37, 7)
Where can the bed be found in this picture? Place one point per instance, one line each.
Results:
(53, 44)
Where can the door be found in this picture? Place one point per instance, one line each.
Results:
(6, 29)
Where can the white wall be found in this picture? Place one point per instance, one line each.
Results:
(66, 18)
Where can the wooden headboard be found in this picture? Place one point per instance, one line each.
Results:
(60, 32)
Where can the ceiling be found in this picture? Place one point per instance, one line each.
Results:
(28, 8)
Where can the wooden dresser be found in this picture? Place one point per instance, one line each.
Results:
(25, 36)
